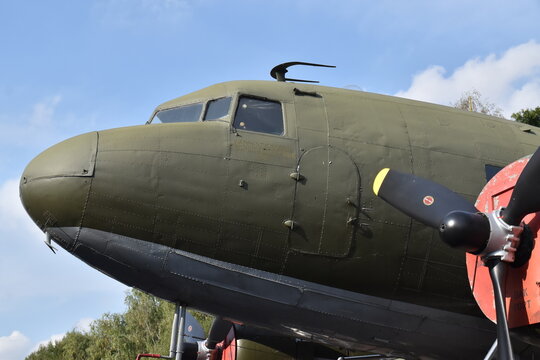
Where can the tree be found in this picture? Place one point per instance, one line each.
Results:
(528, 116)
(144, 327)
(472, 101)
(75, 344)
(51, 351)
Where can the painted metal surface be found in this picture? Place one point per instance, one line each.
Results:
(522, 283)
(230, 346)
(175, 187)
(321, 210)
(281, 304)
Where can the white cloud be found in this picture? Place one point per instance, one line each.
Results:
(52, 340)
(511, 81)
(35, 126)
(83, 325)
(43, 112)
(528, 96)
(15, 346)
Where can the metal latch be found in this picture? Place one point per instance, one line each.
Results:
(296, 176)
(290, 224)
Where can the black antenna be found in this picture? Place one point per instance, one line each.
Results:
(279, 71)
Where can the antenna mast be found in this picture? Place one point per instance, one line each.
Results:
(279, 71)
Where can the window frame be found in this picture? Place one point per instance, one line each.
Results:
(236, 103)
(203, 110)
(228, 117)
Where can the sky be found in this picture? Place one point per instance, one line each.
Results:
(69, 67)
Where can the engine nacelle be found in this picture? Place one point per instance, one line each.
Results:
(522, 283)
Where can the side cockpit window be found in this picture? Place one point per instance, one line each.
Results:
(259, 115)
(188, 113)
(217, 109)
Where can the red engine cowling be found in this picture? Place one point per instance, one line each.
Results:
(522, 283)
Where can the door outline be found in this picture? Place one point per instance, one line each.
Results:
(321, 223)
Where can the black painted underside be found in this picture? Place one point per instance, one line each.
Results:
(278, 303)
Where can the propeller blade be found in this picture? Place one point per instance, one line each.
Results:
(525, 197)
(218, 332)
(421, 199)
(497, 271)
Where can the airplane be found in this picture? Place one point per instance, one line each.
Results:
(252, 201)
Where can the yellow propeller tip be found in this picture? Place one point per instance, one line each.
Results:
(379, 180)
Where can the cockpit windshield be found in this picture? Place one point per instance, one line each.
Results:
(188, 113)
(217, 109)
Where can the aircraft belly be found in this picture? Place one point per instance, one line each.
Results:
(282, 304)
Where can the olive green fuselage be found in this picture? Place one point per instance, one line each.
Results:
(300, 204)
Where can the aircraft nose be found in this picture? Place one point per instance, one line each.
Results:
(55, 184)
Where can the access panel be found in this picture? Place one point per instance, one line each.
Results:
(326, 202)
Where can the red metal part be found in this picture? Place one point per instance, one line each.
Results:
(155, 356)
(229, 352)
(228, 346)
(522, 284)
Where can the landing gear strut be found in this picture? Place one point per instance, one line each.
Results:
(176, 349)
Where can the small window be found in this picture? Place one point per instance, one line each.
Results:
(189, 113)
(259, 115)
(491, 171)
(217, 109)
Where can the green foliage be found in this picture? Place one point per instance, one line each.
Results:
(528, 116)
(48, 352)
(74, 345)
(472, 101)
(144, 327)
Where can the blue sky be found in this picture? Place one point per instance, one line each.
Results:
(68, 67)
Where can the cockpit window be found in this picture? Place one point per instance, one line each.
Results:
(217, 109)
(188, 113)
(259, 115)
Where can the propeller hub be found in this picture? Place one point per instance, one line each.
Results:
(465, 230)
(503, 240)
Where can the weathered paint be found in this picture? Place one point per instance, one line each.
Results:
(522, 285)
(176, 185)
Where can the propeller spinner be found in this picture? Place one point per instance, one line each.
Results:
(491, 238)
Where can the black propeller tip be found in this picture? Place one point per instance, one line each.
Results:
(525, 197)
